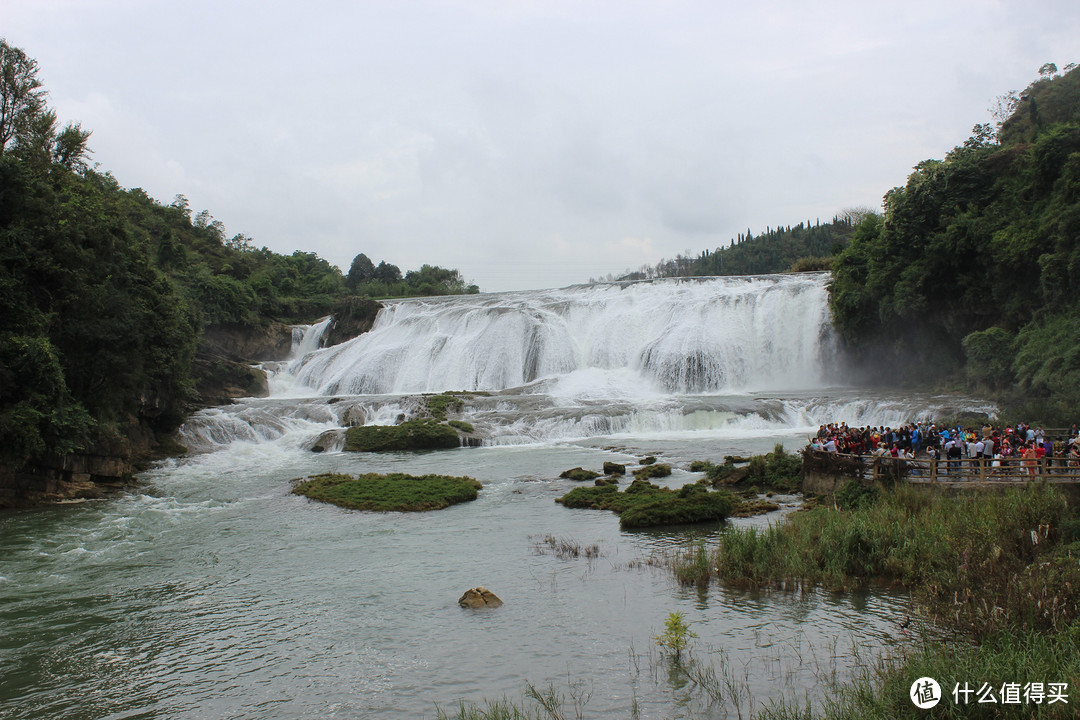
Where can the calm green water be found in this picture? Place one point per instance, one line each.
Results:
(214, 593)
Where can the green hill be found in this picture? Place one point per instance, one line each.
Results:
(973, 273)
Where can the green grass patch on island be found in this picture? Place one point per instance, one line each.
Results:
(657, 470)
(393, 492)
(425, 434)
(643, 504)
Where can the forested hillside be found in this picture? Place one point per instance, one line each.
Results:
(803, 247)
(105, 292)
(973, 273)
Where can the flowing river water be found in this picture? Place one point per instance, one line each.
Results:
(213, 592)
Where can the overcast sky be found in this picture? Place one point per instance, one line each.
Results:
(528, 144)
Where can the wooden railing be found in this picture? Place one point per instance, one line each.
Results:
(981, 470)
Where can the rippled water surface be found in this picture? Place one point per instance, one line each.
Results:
(214, 592)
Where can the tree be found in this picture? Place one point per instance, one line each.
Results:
(387, 272)
(22, 98)
(361, 270)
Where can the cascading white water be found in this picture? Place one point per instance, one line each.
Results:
(672, 356)
(681, 336)
(308, 338)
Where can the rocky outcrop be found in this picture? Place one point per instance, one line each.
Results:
(352, 316)
(219, 381)
(479, 597)
(222, 369)
(247, 343)
(70, 477)
(91, 473)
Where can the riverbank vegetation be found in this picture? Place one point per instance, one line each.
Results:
(388, 493)
(996, 575)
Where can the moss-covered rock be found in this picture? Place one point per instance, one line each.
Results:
(579, 474)
(425, 434)
(393, 492)
(438, 405)
(779, 470)
(643, 504)
(648, 460)
(652, 471)
(749, 508)
(611, 468)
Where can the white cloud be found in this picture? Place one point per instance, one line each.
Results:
(528, 144)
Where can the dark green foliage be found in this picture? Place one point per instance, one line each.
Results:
(424, 434)
(805, 247)
(974, 270)
(113, 336)
(778, 470)
(579, 474)
(393, 492)
(989, 357)
(386, 281)
(854, 495)
(645, 505)
(647, 472)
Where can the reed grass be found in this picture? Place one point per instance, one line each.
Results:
(1020, 656)
(977, 561)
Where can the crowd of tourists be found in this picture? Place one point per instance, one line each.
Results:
(933, 441)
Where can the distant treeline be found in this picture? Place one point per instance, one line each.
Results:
(105, 292)
(801, 248)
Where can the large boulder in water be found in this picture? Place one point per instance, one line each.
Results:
(479, 597)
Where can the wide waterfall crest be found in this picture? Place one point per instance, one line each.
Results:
(680, 336)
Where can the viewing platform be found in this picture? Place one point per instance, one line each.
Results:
(824, 470)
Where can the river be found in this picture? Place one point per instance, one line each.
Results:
(211, 591)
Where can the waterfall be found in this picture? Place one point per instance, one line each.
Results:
(726, 357)
(671, 336)
(308, 338)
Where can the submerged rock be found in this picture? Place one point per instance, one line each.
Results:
(479, 597)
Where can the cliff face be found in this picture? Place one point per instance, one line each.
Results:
(91, 473)
(353, 316)
(223, 370)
